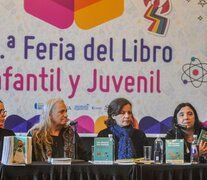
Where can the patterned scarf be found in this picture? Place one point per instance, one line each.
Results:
(126, 148)
(42, 150)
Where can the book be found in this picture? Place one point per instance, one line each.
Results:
(174, 151)
(103, 150)
(60, 161)
(134, 161)
(202, 136)
(17, 150)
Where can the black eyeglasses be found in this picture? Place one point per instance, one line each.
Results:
(3, 112)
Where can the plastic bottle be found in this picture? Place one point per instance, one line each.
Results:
(113, 147)
(158, 150)
(194, 149)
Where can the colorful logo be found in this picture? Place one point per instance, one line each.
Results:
(156, 10)
(194, 72)
(86, 13)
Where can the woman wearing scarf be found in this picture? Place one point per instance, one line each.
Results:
(52, 137)
(129, 142)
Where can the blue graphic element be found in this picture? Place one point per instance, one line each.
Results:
(152, 126)
(194, 72)
(20, 125)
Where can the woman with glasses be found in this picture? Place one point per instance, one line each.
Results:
(3, 131)
(129, 142)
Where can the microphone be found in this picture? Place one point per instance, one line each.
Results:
(181, 126)
(73, 123)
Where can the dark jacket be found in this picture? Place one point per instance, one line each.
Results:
(4, 132)
(138, 138)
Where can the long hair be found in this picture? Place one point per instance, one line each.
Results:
(197, 123)
(115, 108)
(42, 128)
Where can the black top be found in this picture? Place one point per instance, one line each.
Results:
(4, 132)
(137, 136)
(57, 143)
(58, 147)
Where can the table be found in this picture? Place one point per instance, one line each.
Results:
(88, 171)
(79, 171)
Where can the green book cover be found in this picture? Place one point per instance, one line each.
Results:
(103, 150)
(174, 151)
(202, 136)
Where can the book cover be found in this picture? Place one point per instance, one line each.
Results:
(103, 150)
(17, 150)
(174, 151)
(202, 136)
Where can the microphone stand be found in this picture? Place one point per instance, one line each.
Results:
(74, 125)
(179, 126)
(74, 140)
(176, 132)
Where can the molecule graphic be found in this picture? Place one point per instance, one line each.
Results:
(194, 72)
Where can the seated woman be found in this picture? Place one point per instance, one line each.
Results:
(129, 142)
(3, 131)
(52, 137)
(185, 124)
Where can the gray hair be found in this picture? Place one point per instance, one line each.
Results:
(45, 121)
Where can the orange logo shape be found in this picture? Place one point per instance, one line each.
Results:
(86, 13)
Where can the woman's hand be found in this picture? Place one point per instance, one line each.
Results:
(203, 148)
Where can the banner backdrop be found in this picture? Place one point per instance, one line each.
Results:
(152, 52)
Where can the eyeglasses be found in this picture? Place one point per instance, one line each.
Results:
(3, 112)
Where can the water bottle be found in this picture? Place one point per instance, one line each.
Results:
(194, 159)
(113, 147)
(158, 150)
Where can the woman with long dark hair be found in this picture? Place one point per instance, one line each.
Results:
(185, 124)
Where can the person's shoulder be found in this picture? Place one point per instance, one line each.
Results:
(138, 131)
(6, 132)
(170, 134)
(68, 129)
(33, 131)
(104, 132)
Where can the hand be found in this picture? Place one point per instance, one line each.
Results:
(203, 148)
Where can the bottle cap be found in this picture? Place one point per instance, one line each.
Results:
(195, 135)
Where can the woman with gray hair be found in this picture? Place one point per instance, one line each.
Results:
(52, 137)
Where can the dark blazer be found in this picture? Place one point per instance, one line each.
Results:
(138, 138)
(4, 132)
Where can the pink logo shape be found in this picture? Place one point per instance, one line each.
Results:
(59, 13)
(85, 124)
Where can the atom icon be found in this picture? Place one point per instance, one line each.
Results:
(194, 72)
